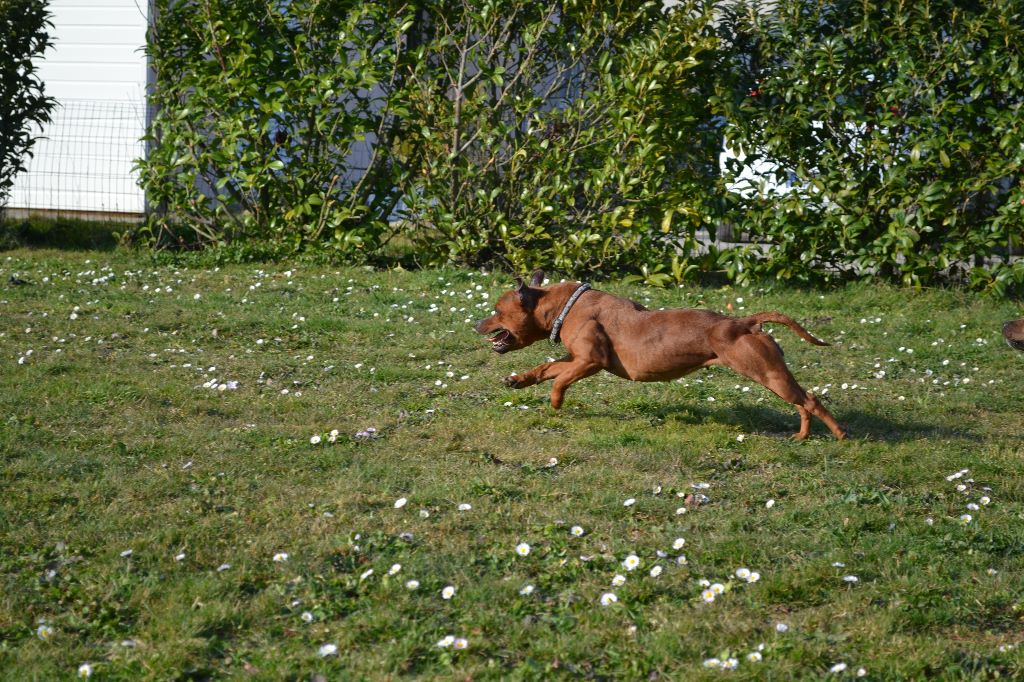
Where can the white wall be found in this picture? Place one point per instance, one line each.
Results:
(97, 72)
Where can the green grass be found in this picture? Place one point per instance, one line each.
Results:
(110, 442)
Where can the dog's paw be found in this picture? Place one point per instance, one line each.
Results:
(515, 381)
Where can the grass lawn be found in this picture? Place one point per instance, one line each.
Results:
(165, 515)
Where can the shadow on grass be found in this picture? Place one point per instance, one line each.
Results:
(764, 420)
(61, 233)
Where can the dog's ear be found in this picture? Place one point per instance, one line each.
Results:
(527, 296)
(537, 278)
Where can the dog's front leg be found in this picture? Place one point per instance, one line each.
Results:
(540, 373)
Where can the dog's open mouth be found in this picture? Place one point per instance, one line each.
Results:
(501, 341)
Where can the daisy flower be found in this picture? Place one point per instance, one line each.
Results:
(522, 549)
(576, 530)
(400, 502)
(754, 657)
(742, 573)
(85, 670)
(708, 595)
(446, 641)
(718, 588)
(965, 518)
(656, 571)
(460, 643)
(678, 543)
(44, 632)
(281, 556)
(619, 580)
(630, 502)
(326, 650)
(448, 592)
(608, 598)
(631, 562)
(526, 590)
(412, 584)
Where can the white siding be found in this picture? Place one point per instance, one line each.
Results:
(97, 72)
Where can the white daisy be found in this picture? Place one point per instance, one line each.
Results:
(314, 440)
(608, 598)
(281, 556)
(630, 502)
(631, 562)
(400, 502)
(395, 568)
(522, 549)
(460, 643)
(708, 595)
(718, 588)
(742, 573)
(678, 543)
(448, 592)
(412, 584)
(754, 656)
(85, 670)
(326, 650)
(526, 590)
(619, 580)
(656, 571)
(576, 530)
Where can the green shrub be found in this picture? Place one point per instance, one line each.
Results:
(260, 106)
(900, 124)
(562, 134)
(23, 104)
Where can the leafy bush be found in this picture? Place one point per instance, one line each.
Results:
(898, 126)
(23, 103)
(585, 136)
(261, 107)
(557, 134)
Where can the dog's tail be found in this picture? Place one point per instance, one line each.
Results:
(773, 316)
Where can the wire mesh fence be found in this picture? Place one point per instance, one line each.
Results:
(84, 161)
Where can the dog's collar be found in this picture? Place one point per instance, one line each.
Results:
(557, 326)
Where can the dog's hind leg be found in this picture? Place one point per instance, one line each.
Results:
(757, 356)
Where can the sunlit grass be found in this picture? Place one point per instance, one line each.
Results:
(174, 429)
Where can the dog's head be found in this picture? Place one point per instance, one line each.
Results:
(514, 324)
(1013, 331)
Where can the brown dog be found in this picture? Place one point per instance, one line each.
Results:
(1013, 332)
(602, 331)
